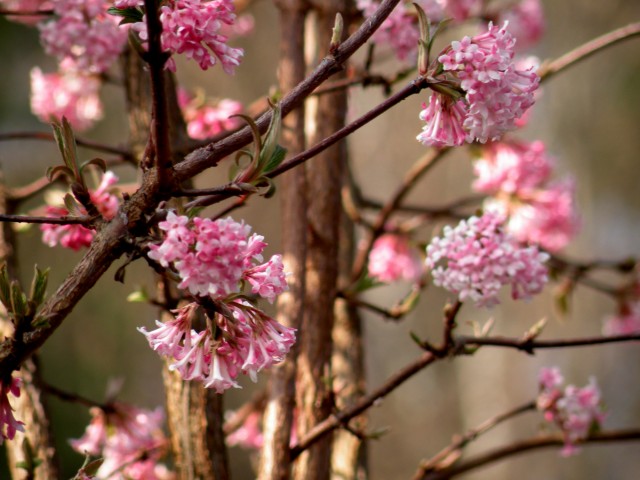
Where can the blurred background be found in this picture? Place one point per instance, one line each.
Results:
(588, 117)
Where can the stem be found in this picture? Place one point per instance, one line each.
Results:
(66, 220)
(210, 155)
(584, 51)
(452, 452)
(530, 345)
(535, 443)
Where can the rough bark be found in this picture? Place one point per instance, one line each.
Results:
(278, 416)
(30, 408)
(324, 178)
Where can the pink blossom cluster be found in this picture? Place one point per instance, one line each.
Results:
(75, 236)
(392, 258)
(477, 257)
(130, 441)
(84, 34)
(213, 257)
(245, 341)
(576, 411)
(8, 423)
(205, 120)
(68, 94)
(249, 434)
(518, 176)
(193, 28)
(625, 322)
(496, 91)
(400, 29)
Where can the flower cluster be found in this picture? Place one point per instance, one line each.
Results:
(576, 411)
(76, 236)
(129, 439)
(193, 28)
(205, 120)
(496, 91)
(518, 175)
(8, 423)
(477, 257)
(625, 322)
(393, 258)
(66, 94)
(84, 34)
(213, 257)
(213, 260)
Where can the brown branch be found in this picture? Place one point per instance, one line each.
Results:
(125, 154)
(415, 173)
(65, 220)
(338, 419)
(529, 346)
(547, 70)
(451, 453)
(210, 155)
(535, 443)
(156, 60)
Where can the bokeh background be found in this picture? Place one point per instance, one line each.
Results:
(587, 116)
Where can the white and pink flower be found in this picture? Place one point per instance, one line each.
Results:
(478, 257)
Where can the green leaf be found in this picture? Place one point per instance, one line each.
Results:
(365, 283)
(54, 172)
(276, 159)
(18, 300)
(271, 139)
(128, 15)
(138, 296)
(97, 162)
(5, 288)
(72, 205)
(418, 341)
(38, 286)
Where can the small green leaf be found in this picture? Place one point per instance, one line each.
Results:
(365, 283)
(5, 288)
(72, 205)
(128, 15)
(91, 468)
(18, 300)
(271, 139)
(194, 212)
(138, 296)
(276, 159)
(54, 172)
(97, 162)
(418, 341)
(38, 286)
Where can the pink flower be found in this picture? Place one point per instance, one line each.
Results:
(545, 216)
(128, 3)
(444, 119)
(497, 93)
(8, 423)
(400, 29)
(76, 236)
(576, 411)
(84, 34)
(526, 21)
(476, 258)
(129, 439)
(213, 257)
(392, 259)
(207, 120)
(461, 10)
(511, 166)
(192, 28)
(249, 435)
(625, 322)
(268, 279)
(66, 94)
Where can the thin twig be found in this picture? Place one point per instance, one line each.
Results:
(451, 453)
(556, 440)
(65, 220)
(547, 70)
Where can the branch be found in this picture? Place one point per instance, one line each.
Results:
(156, 59)
(535, 443)
(547, 70)
(451, 453)
(65, 220)
(339, 418)
(528, 345)
(210, 155)
(125, 154)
